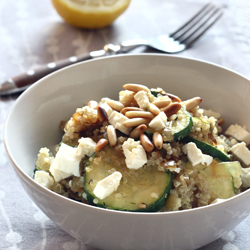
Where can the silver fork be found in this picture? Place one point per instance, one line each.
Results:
(181, 39)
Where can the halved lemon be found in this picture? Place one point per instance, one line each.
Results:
(90, 14)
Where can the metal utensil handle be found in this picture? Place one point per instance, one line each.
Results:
(32, 76)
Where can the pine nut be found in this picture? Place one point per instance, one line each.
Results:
(100, 144)
(146, 143)
(126, 109)
(192, 103)
(135, 133)
(153, 109)
(162, 103)
(174, 98)
(111, 136)
(102, 114)
(76, 116)
(172, 108)
(135, 122)
(220, 121)
(139, 114)
(157, 140)
(136, 87)
(116, 105)
(93, 104)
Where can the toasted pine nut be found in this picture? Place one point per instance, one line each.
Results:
(142, 205)
(172, 108)
(76, 116)
(174, 98)
(102, 114)
(126, 109)
(111, 136)
(220, 121)
(192, 103)
(116, 105)
(100, 144)
(135, 133)
(153, 109)
(135, 122)
(157, 140)
(146, 143)
(162, 103)
(93, 104)
(135, 87)
(141, 114)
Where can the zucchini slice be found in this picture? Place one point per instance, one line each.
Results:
(182, 126)
(142, 190)
(218, 179)
(208, 149)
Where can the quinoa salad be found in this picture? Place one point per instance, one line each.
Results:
(147, 151)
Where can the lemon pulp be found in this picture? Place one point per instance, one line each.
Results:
(90, 14)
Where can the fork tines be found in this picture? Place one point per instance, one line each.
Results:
(193, 29)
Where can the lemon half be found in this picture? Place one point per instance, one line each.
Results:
(90, 14)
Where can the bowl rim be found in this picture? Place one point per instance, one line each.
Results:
(77, 203)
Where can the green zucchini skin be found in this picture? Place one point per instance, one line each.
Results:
(207, 149)
(180, 128)
(188, 124)
(159, 183)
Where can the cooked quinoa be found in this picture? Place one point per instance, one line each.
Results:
(163, 129)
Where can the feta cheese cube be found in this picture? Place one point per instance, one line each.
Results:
(207, 159)
(211, 113)
(108, 185)
(44, 179)
(66, 163)
(158, 122)
(104, 100)
(135, 155)
(195, 155)
(86, 146)
(239, 133)
(242, 153)
(117, 119)
(107, 108)
(245, 177)
(141, 98)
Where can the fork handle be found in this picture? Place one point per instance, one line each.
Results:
(32, 76)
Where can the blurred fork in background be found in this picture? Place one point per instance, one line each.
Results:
(183, 38)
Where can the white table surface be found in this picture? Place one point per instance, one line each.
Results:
(32, 33)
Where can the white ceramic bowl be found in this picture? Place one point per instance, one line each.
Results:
(33, 123)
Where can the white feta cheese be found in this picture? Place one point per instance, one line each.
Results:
(107, 108)
(141, 98)
(207, 159)
(239, 133)
(211, 113)
(104, 100)
(66, 163)
(108, 185)
(158, 122)
(245, 177)
(86, 146)
(195, 155)
(241, 152)
(117, 119)
(44, 179)
(135, 155)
